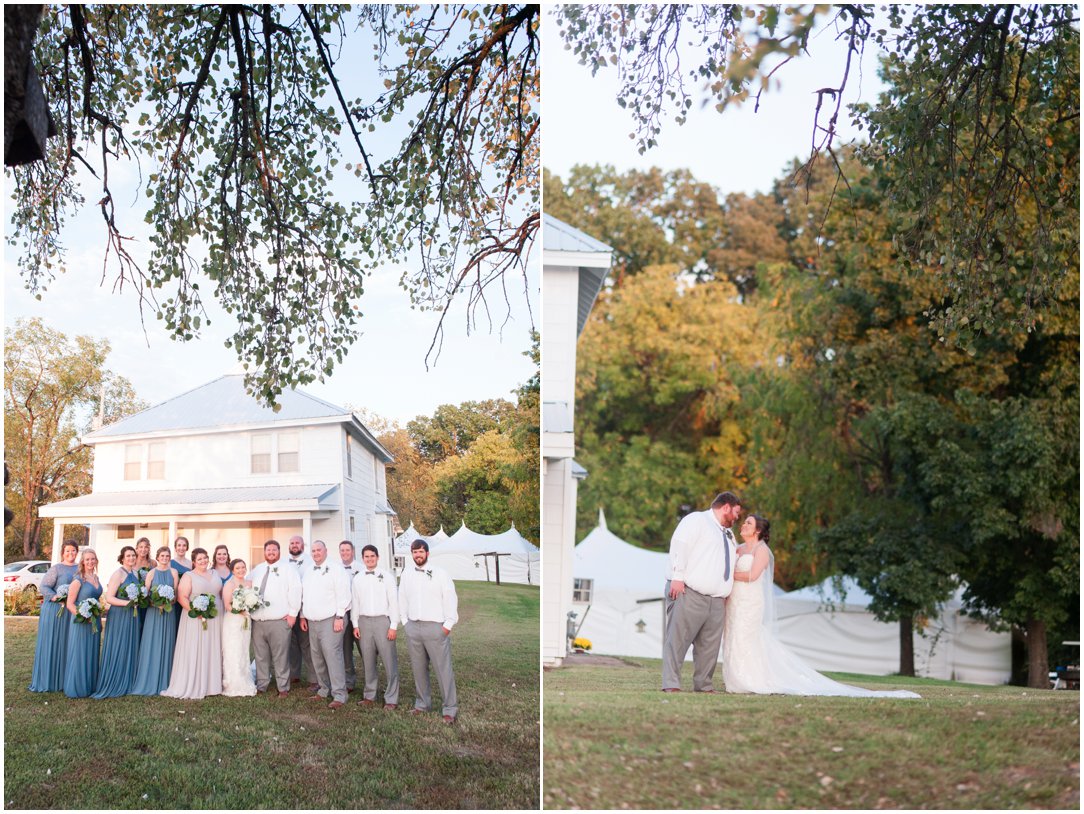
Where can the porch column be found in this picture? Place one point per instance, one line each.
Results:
(172, 532)
(306, 528)
(58, 539)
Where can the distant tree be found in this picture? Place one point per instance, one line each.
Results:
(53, 387)
(980, 131)
(411, 490)
(453, 428)
(242, 113)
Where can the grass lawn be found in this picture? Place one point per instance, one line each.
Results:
(246, 753)
(613, 740)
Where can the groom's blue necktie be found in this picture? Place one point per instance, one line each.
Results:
(726, 550)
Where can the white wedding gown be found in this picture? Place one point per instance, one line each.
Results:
(755, 661)
(236, 671)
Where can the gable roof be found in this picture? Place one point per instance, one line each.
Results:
(567, 246)
(224, 404)
(558, 236)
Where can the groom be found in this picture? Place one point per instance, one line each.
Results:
(702, 554)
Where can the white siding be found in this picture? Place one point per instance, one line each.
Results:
(560, 292)
(221, 460)
(558, 541)
(360, 492)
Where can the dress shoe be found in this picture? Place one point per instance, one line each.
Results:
(295, 680)
(283, 694)
(709, 692)
(449, 719)
(366, 702)
(335, 705)
(314, 687)
(391, 707)
(671, 689)
(315, 697)
(416, 711)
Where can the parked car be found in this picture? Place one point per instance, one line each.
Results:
(24, 574)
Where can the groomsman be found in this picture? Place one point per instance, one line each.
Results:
(280, 585)
(325, 598)
(300, 654)
(374, 606)
(350, 567)
(429, 609)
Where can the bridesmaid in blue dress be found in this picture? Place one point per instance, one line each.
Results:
(81, 664)
(182, 565)
(159, 634)
(220, 564)
(53, 623)
(144, 565)
(121, 648)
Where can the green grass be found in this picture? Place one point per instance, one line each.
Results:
(243, 753)
(613, 740)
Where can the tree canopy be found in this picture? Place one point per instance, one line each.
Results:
(237, 119)
(977, 136)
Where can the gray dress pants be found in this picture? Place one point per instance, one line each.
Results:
(696, 620)
(349, 644)
(428, 643)
(271, 646)
(300, 653)
(327, 658)
(373, 642)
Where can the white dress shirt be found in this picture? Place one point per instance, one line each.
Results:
(698, 554)
(325, 591)
(300, 562)
(374, 594)
(353, 568)
(283, 590)
(427, 595)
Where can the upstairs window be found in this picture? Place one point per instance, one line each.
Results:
(261, 454)
(289, 452)
(349, 456)
(156, 460)
(133, 461)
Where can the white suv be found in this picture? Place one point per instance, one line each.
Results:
(24, 574)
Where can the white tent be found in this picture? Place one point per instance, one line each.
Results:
(468, 555)
(618, 586)
(403, 541)
(831, 631)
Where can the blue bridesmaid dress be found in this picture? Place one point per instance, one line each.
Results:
(156, 645)
(51, 651)
(177, 610)
(121, 648)
(81, 668)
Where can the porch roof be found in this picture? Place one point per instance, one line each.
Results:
(166, 502)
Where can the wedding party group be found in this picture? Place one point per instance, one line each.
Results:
(192, 627)
(719, 594)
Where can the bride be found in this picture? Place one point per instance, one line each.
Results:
(236, 637)
(754, 660)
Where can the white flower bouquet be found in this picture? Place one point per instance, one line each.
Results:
(203, 608)
(87, 611)
(246, 600)
(162, 597)
(132, 592)
(60, 597)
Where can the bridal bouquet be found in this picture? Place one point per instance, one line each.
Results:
(247, 599)
(89, 610)
(162, 597)
(203, 608)
(61, 597)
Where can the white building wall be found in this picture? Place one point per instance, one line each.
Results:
(558, 541)
(560, 291)
(223, 459)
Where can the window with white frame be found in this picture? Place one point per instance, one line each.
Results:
(398, 562)
(352, 521)
(289, 452)
(261, 454)
(133, 461)
(581, 590)
(156, 460)
(349, 456)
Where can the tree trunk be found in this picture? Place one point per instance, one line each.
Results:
(1038, 664)
(907, 645)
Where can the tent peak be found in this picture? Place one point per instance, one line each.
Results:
(601, 518)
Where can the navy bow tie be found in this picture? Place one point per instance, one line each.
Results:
(373, 573)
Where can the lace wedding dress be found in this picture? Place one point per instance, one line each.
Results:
(236, 672)
(755, 661)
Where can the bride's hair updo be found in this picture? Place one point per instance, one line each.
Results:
(763, 527)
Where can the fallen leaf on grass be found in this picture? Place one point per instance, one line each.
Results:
(826, 781)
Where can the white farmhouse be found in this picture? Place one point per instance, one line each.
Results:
(574, 267)
(217, 467)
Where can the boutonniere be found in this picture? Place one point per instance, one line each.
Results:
(429, 573)
(380, 577)
(275, 570)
